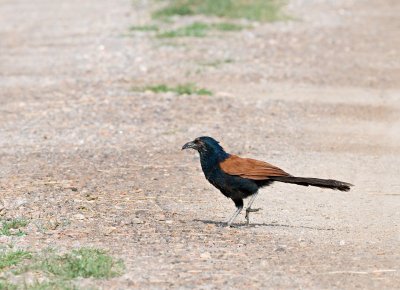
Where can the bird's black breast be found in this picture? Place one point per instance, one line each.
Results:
(232, 186)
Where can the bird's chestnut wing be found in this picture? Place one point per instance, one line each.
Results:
(250, 168)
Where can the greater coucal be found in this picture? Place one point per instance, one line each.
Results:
(238, 178)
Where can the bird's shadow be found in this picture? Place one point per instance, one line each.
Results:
(252, 225)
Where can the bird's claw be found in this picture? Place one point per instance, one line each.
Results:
(249, 210)
(252, 210)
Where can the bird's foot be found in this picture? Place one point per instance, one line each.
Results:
(253, 209)
(249, 210)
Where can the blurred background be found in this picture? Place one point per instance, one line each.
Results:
(98, 97)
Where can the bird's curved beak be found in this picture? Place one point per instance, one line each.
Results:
(189, 145)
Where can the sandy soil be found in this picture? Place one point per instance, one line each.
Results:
(318, 96)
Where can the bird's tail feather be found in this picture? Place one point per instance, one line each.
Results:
(308, 181)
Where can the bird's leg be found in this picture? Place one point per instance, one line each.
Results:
(249, 209)
(235, 214)
(239, 207)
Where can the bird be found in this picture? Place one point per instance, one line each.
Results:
(238, 178)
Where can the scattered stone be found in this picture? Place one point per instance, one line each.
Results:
(91, 197)
(109, 230)
(137, 221)
(79, 216)
(205, 255)
(280, 248)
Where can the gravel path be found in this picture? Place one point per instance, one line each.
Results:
(318, 96)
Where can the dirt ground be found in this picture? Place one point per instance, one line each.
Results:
(318, 95)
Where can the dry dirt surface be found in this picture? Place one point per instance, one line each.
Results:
(89, 162)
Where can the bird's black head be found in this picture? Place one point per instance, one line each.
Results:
(211, 153)
(205, 145)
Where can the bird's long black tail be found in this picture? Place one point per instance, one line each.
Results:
(308, 181)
